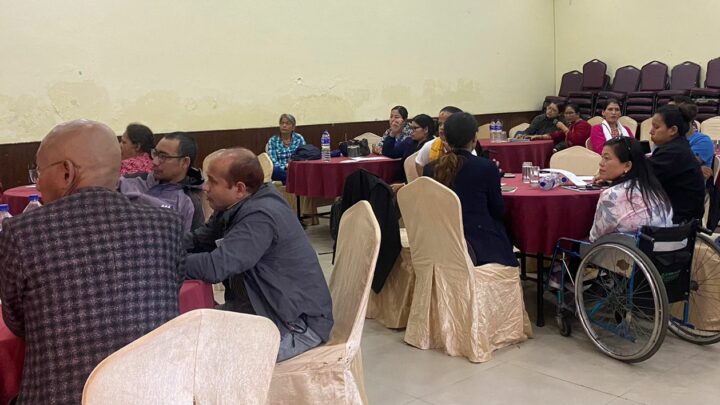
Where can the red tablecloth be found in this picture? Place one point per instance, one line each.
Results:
(17, 198)
(536, 219)
(511, 155)
(194, 294)
(316, 178)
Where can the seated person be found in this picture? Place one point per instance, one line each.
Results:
(90, 271)
(701, 144)
(476, 181)
(675, 165)
(136, 144)
(423, 130)
(635, 197)
(575, 133)
(173, 178)
(438, 147)
(281, 147)
(255, 240)
(609, 128)
(398, 132)
(545, 123)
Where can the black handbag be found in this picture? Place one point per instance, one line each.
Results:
(362, 148)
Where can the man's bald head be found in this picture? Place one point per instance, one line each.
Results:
(241, 165)
(87, 153)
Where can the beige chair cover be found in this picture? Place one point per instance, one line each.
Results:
(711, 128)
(392, 306)
(189, 360)
(410, 168)
(332, 374)
(588, 144)
(645, 131)
(517, 128)
(576, 159)
(267, 166)
(371, 138)
(466, 311)
(203, 197)
(630, 123)
(483, 132)
(596, 120)
(704, 311)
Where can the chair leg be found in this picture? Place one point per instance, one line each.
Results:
(540, 322)
(523, 266)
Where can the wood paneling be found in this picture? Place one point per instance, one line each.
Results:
(15, 158)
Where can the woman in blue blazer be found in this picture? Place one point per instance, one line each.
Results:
(476, 181)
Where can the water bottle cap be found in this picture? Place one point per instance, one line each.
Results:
(34, 197)
(4, 207)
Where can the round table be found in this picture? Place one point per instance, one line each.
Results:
(17, 198)
(317, 178)
(511, 155)
(535, 219)
(194, 294)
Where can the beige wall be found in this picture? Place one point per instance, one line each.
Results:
(634, 32)
(193, 65)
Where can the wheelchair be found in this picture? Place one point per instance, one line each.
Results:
(628, 289)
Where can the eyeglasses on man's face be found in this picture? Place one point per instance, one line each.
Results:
(34, 171)
(162, 156)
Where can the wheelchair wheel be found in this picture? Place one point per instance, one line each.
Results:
(703, 326)
(621, 300)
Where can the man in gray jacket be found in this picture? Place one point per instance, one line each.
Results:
(256, 241)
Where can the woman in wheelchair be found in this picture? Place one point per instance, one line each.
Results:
(635, 198)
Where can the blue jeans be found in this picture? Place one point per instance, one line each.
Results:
(279, 174)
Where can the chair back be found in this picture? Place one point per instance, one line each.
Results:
(712, 74)
(627, 79)
(372, 139)
(685, 76)
(576, 159)
(716, 168)
(645, 131)
(594, 73)
(629, 122)
(409, 167)
(435, 235)
(357, 250)
(189, 360)
(653, 76)
(588, 144)
(596, 120)
(571, 81)
(483, 132)
(711, 128)
(517, 128)
(207, 209)
(267, 166)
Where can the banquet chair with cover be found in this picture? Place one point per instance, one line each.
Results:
(409, 168)
(645, 131)
(205, 164)
(596, 120)
(711, 128)
(517, 128)
(372, 139)
(267, 166)
(483, 132)
(462, 309)
(576, 159)
(629, 122)
(332, 373)
(185, 361)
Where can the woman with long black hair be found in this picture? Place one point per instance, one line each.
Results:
(635, 198)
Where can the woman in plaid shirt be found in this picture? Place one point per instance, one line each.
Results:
(281, 147)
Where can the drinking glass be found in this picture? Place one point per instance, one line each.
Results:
(534, 175)
(526, 172)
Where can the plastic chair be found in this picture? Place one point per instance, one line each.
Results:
(683, 77)
(462, 309)
(596, 120)
(483, 132)
(628, 122)
(576, 159)
(372, 139)
(641, 104)
(711, 128)
(332, 374)
(409, 167)
(517, 128)
(189, 360)
(627, 79)
(267, 166)
(570, 81)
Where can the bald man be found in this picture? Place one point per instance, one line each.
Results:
(255, 240)
(87, 273)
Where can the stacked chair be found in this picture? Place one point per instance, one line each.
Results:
(683, 77)
(708, 98)
(594, 80)
(571, 81)
(640, 105)
(627, 79)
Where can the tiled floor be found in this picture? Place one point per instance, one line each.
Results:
(549, 369)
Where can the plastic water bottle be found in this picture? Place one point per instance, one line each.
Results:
(325, 146)
(548, 182)
(4, 213)
(499, 129)
(493, 131)
(33, 204)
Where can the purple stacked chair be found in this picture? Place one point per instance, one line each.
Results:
(683, 77)
(627, 79)
(571, 81)
(640, 105)
(708, 98)
(595, 79)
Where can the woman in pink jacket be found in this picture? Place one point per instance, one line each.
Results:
(610, 127)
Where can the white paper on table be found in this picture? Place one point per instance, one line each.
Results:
(576, 180)
(361, 158)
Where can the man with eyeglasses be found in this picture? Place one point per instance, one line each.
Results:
(90, 271)
(173, 179)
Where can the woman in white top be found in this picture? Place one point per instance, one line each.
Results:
(610, 127)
